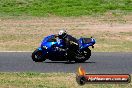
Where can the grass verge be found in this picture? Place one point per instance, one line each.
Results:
(63, 7)
(48, 80)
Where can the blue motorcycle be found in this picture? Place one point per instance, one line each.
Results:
(55, 49)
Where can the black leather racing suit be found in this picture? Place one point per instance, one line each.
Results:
(71, 45)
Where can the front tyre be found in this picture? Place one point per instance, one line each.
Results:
(37, 56)
(84, 56)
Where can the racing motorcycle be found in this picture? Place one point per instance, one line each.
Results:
(52, 48)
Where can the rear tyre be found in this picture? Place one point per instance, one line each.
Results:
(87, 53)
(37, 56)
(84, 56)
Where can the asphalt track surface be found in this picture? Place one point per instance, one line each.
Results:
(115, 62)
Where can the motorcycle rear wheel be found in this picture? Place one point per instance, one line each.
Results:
(82, 58)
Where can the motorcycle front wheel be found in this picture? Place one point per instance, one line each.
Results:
(37, 56)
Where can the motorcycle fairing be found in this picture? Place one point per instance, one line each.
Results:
(86, 42)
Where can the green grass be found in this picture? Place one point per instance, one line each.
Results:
(63, 7)
(113, 45)
(48, 80)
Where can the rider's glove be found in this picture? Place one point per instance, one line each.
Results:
(60, 49)
(57, 48)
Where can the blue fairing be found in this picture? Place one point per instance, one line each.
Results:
(39, 48)
(47, 44)
(46, 38)
(86, 45)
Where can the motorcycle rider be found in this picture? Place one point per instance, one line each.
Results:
(70, 41)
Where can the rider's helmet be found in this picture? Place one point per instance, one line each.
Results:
(62, 34)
